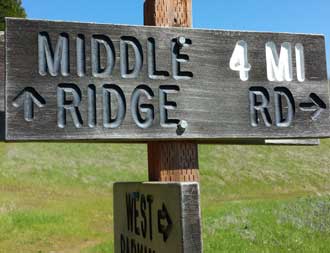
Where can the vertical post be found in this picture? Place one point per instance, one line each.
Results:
(171, 161)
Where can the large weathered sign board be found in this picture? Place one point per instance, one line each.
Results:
(80, 81)
(250, 141)
(157, 218)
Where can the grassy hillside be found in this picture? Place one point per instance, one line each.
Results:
(58, 197)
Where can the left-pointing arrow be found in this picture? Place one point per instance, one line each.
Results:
(28, 98)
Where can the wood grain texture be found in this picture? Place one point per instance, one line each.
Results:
(171, 161)
(215, 103)
(2, 86)
(191, 215)
(178, 206)
(168, 13)
(2, 110)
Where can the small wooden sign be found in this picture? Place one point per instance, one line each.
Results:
(76, 81)
(157, 218)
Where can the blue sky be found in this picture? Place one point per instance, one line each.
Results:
(303, 16)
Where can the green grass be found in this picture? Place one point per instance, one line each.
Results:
(57, 197)
(301, 225)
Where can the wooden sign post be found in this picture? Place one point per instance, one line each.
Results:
(171, 87)
(171, 161)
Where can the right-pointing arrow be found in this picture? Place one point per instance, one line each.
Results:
(317, 106)
(27, 98)
(163, 216)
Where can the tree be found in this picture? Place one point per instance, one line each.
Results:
(10, 8)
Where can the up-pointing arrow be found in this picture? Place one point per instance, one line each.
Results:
(165, 230)
(317, 106)
(27, 98)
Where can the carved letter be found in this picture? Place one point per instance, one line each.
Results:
(150, 201)
(147, 109)
(143, 207)
(152, 66)
(280, 121)
(91, 93)
(136, 214)
(239, 60)
(125, 70)
(129, 211)
(97, 69)
(256, 106)
(64, 105)
(108, 91)
(81, 65)
(165, 105)
(279, 69)
(177, 59)
(51, 61)
(300, 61)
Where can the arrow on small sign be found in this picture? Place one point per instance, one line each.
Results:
(165, 230)
(27, 98)
(317, 106)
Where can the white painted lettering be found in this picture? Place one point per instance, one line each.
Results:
(239, 60)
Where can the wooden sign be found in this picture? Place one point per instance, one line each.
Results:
(250, 141)
(157, 218)
(75, 81)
